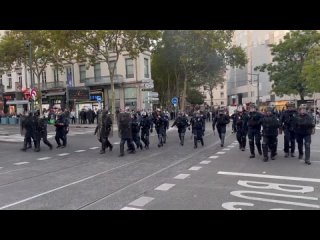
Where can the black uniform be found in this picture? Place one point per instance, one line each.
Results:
(253, 125)
(60, 131)
(43, 133)
(270, 124)
(160, 123)
(303, 127)
(234, 118)
(103, 130)
(287, 124)
(221, 120)
(27, 130)
(36, 132)
(125, 132)
(241, 130)
(135, 126)
(197, 130)
(182, 123)
(146, 126)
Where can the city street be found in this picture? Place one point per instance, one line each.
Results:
(172, 177)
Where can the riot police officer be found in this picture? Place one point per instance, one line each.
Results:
(160, 123)
(135, 127)
(304, 127)
(287, 125)
(270, 124)
(182, 123)
(60, 130)
(103, 130)
(221, 120)
(125, 132)
(253, 125)
(234, 118)
(42, 132)
(146, 126)
(197, 129)
(27, 130)
(240, 128)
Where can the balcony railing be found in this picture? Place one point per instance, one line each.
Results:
(103, 80)
(52, 85)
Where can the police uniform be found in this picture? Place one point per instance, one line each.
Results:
(135, 126)
(239, 121)
(125, 132)
(146, 126)
(221, 120)
(197, 129)
(42, 132)
(60, 131)
(182, 123)
(27, 130)
(160, 124)
(103, 130)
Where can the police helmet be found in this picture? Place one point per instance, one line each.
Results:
(291, 104)
(144, 114)
(303, 106)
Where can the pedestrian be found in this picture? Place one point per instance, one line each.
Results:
(73, 116)
(271, 125)
(304, 126)
(221, 120)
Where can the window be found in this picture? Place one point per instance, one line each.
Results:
(20, 78)
(146, 68)
(221, 86)
(222, 102)
(9, 81)
(252, 94)
(55, 75)
(44, 77)
(130, 95)
(82, 70)
(221, 94)
(113, 65)
(129, 68)
(97, 71)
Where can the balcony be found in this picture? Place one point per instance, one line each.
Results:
(52, 85)
(103, 80)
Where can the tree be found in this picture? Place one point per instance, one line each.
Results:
(195, 97)
(289, 57)
(311, 69)
(107, 45)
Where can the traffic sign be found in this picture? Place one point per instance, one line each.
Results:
(174, 100)
(33, 93)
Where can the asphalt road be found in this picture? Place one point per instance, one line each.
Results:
(172, 177)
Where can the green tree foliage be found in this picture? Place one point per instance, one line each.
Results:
(195, 97)
(289, 57)
(311, 69)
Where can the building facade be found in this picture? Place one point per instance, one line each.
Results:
(219, 95)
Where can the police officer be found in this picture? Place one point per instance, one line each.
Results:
(197, 129)
(160, 124)
(135, 126)
(303, 128)
(221, 120)
(125, 132)
(27, 130)
(60, 130)
(166, 126)
(103, 130)
(234, 117)
(182, 123)
(287, 125)
(270, 124)
(146, 126)
(241, 130)
(41, 132)
(253, 122)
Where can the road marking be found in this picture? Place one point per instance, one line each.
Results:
(63, 154)
(214, 157)
(116, 143)
(205, 162)
(80, 151)
(182, 176)
(221, 152)
(44, 158)
(231, 146)
(130, 208)
(310, 161)
(21, 163)
(226, 149)
(164, 187)
(140, 202)
(1, 167)
(271, 176)
(94, 148)
(196, 168)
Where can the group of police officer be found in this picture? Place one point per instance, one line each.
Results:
(34, 128)
(296, 125)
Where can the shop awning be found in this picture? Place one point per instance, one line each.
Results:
(17, 102)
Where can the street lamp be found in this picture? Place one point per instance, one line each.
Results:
(258, 83)
(29, 44)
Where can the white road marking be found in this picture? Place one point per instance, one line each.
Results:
(205, 162)
(130, 208)
(231, 146)
(196, 168)
(226, 149)
(44, 158)
(140, 202)
(116, 143)
(94, 148)
(221, 152)
(63, 154)
(271, 176)
(1, 167)
(164, 187)
(181, 176)
(21, 163)
(214, 157)
(80, 151)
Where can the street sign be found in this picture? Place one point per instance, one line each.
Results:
(174, 100)
(153, 94)
(148, 86)
(33, 93)
(153, 99)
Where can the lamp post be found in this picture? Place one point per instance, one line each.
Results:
(29, 44)
(258, 83)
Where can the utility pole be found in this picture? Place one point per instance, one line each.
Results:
(258, 85)
(29, 44)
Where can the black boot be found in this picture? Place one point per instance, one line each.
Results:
(182, 140)
(265, 159)
(102, 151)
(286, 155)
(24, 148)
(252, 155)
(121, 150)
(110, 147)
(300, 156)
(202, 143)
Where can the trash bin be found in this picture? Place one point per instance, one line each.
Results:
(12, 121)
(4, 120)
